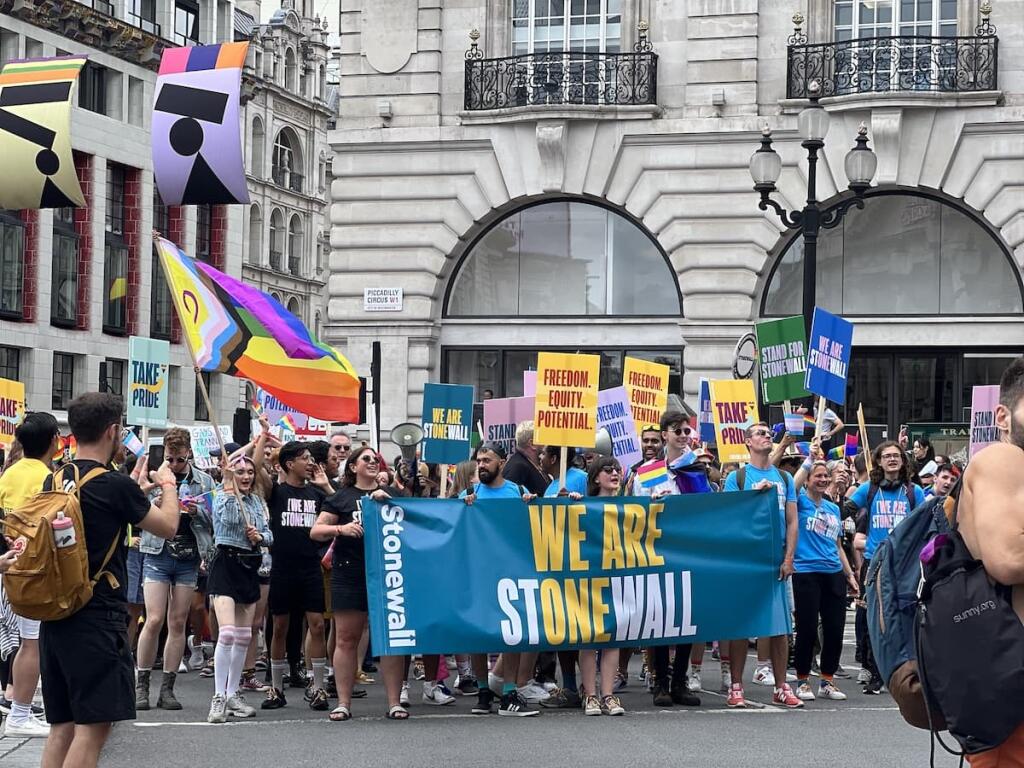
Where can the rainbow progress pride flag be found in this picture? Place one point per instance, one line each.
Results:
(236, 329)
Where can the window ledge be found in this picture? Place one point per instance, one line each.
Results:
(904, 99)
(560, 112)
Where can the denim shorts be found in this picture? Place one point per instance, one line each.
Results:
(164, 569)
(135, 561)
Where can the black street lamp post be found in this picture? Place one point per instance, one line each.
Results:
(766, 167)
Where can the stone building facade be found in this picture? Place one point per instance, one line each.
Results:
(574, 176)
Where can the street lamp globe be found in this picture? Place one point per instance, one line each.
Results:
(813, 121)
(765, 163)
(860, 162)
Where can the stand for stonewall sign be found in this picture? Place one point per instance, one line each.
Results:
(566, 403)
(733, 408)
(12, 409)
(647, 386)
(502, 416)
(984, 431)
(782, 359)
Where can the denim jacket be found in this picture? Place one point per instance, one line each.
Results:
(229, 525)
(195, 484)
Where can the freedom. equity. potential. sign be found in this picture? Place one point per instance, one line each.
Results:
(561, 574)
(566, 401)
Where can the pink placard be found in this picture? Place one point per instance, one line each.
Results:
(983, 411)
(502, 416)
(529, 383)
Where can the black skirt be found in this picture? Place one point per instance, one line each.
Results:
(235, 574)
(348, 587)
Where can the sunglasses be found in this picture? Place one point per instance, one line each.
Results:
(760, 433)
(681, 431)
(177, 460)
(369, 458)
(610, 470)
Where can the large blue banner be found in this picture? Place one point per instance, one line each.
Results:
(828, 358)
(444, 577)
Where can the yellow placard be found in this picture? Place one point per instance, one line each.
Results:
(646, 384)
(733, 409)
(12, 409)
(565, 410)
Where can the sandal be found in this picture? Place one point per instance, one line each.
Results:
(340, 714)
(398, 712)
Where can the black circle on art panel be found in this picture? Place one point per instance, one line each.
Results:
(47, 162)
(186, 136)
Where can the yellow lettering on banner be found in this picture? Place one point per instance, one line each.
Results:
(611, 550)
(552, 611)
(632, 531)
(653, 534)
(547, 529)
(599, 608)
(576, 538)
(577, 606)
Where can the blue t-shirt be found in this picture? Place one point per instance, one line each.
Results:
(575, 482)
(783, 481)
(889, 509)
(819, 526)
(507, 490)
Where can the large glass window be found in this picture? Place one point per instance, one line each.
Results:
(64, 272)
(160, 294)
(115, 254)
(881, 18)
(63, 380)
(540, 26)
(10, 363)
(901, 255)
(12, 265)
(201, 412)
(112, 377)
(186, 22)
(501, 371)
(564, 258)
(204, 231)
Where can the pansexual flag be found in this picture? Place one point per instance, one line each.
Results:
(236, 329)
(652, 473)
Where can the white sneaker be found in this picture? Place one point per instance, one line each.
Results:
(863, 676)
(829, 690)
(791, 677)
(804, 692)
(218, 710)
(31, 728)
(196, 659)
(434, 694)
(403, 697)
(763, 676)
(534, 693)
(182, 667)
(726, 676)
(237, 707)
(495, 683)
(693, 679)
(549, 686)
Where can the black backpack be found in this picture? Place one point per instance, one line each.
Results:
(970, 646)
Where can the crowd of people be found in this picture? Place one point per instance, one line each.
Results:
(261, 561)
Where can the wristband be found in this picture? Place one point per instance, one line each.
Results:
(169, 485)
(806, 466)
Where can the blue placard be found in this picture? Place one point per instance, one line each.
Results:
(828, 358)
(561, 574)
(148, 361)
(707, 424)
(447, 422)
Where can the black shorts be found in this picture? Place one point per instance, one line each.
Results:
(234, 573)
(86, 666)
(294, 589)
(348, 588)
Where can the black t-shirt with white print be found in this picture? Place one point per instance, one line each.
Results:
(293, 511)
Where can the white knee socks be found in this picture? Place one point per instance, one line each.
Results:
(222, 656)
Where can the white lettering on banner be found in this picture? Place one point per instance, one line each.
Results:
(391, 543)
(641, 610)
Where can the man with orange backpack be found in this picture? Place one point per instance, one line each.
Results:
(85, 659)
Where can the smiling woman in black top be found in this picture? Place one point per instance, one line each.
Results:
(341, 519)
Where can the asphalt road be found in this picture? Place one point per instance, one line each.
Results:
(862, 732)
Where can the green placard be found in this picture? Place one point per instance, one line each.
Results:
(782, 359)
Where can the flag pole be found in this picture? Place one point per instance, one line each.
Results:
(176, 300)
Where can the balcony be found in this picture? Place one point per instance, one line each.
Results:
(294, 265)
(890, 65)
(275, 259)
(295, 181)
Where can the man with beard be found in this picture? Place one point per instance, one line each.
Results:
(652, 445)
(991, 518)
(85, 660)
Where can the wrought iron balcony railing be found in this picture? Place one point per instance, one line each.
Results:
(562, 77)
(893, 64)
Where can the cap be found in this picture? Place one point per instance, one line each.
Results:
(229, 447)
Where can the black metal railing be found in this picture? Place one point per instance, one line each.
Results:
(562, 77)
(891, 64)
(294, 265)
(275, 259)
(146, 25)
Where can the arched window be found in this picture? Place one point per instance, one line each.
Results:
(294, 307)
(276, 238)
(255, 235)
(595, 260)
(259, 139)
(290, 69)
(902, 255)
(287, 161)
(295, 245)
(275, 296)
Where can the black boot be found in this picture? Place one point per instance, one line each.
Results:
(166, 699)
(142, 690)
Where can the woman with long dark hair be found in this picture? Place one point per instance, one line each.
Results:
(882, 504)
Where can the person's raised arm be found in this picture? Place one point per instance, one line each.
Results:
(791, 535)
(837, 427)
(993, 488)
(162, 520)
(779, 449)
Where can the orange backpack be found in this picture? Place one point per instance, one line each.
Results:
(47, 582)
